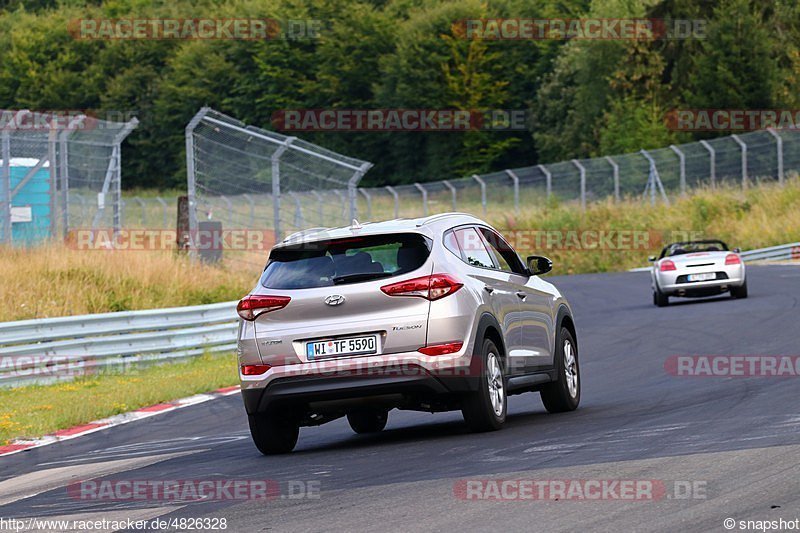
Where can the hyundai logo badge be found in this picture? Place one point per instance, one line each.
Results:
(334, 299)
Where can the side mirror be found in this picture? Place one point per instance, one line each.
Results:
(538, 265)
(652, 259)
(737, 250)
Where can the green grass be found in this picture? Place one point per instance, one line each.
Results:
(36, 410)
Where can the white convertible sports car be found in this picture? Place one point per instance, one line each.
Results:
(697, 268)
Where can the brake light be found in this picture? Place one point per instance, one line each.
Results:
(666, 266)
(441, 349)
(429, 287)
(250, 307)
(254, 370)
(733, 259)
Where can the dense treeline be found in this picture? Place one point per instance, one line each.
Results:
(584, 97)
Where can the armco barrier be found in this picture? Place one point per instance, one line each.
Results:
(89, 342)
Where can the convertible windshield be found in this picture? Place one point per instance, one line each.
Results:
(680, 248)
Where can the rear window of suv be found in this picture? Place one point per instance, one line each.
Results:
(343, 261)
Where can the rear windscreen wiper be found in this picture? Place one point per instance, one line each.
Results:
(363, 276)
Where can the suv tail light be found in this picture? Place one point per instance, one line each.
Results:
(733, 259)
(250, 307)
(429, 287)
(666, 266)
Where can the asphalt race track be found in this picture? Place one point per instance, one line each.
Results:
(737, 439)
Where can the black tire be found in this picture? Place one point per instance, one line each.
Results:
(557, 396)
(739, 292)
(273, 435)
(478, 407)
(368, 420)
(660, 299)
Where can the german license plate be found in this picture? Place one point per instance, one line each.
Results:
(702, 277)
(367, 344)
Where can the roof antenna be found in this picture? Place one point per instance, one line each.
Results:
(355, 225)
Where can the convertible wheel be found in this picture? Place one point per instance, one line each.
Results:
(739, 292)
(660, 299)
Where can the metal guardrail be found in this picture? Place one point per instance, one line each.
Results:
(782, 252)
(48, 349)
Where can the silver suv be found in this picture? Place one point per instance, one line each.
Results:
(431, 314)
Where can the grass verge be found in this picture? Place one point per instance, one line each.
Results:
(761, 216)
(56, 280)
(36, 410)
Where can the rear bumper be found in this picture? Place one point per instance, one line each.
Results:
(316, 393)
(701, 288)
(375, 379)
(669, 283)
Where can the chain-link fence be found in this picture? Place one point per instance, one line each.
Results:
(653, 175)
(57, 172)
(247, 177)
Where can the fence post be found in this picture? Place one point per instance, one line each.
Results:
(52, 150)
(320, 207)
(124, 132)
(615, 168)
(743, 146)
(421, 189)
(252, 205)
(396, 200)
(516, 189)
(682, 160)
(779, 147)
(275, 159)
(713, 160)
(654, 180)
(351, 187)
(5, 187)
(483, 191)
(582, 169)
(63, 165)
(368, 198)
(453, 192)
(548, 177)
(63, 171)
(191, 178)
(164, 209)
